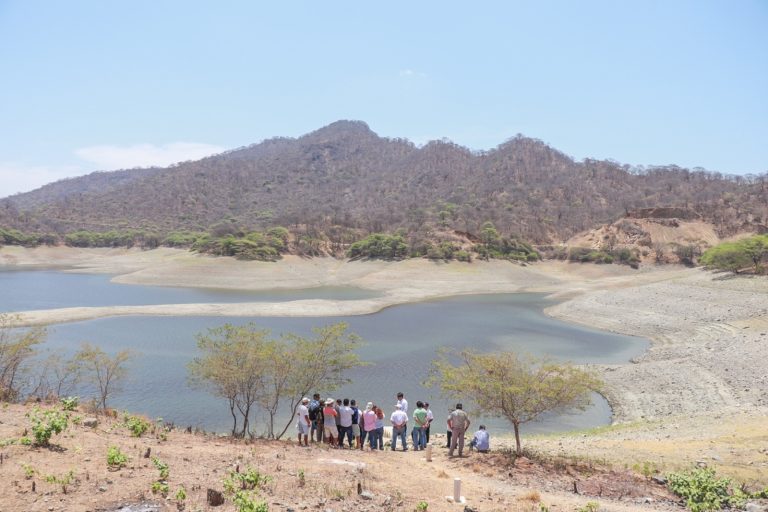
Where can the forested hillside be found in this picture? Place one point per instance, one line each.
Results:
(343, 182)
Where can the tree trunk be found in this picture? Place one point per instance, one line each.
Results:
(517, 439)
(290, 421)
(234, 418)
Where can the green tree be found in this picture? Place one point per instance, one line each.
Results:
(17, 346)
(489, 235)
(756, 249)
(103, 371)
(726, 256)
(519, 389)
(248, 368)
(233, 365)
(320, 363)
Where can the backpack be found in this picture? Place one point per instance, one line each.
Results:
(355, 415)
(314, 409)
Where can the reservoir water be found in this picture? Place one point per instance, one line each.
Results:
(400, 342)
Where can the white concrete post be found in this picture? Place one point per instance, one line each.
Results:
(457, 490)
(429, 452)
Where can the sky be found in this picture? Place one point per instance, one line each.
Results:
(94, 85)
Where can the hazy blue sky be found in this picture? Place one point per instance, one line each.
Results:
(101, 85)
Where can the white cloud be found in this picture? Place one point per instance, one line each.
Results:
(412, 73)
(110, 157)
(16, 177)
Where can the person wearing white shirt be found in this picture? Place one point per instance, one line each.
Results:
(303, 425)
(399, 422)
(403, 402)
(430, 418)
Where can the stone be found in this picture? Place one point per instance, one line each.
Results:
(90, 422)
(755, 507)
(367, 495)
(214, 498)
(659, 480)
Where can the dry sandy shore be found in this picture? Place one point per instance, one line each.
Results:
(709, 331)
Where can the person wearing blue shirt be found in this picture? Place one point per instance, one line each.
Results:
(481, 441)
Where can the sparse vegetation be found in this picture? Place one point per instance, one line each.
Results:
(162, 467)
(519, 389)
(243, 489)
(103, 371)
(160, 488)
(749, 253)
(17, 347)
(47, 423)
(136, 424)
(69, 403)
(246, 367)
(64, 480)
(115, 458)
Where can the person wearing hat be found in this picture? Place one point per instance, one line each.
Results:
(458, 422)
(303, 425)
(329, 423)
(399, 422)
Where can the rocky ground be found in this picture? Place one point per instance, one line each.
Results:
(709, 350)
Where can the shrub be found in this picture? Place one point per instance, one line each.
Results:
(161, 488)
(700, 488)
(243, 488)
(70, 403)
(247, 502)
(162, 467)
(115, 458)
(137, 425)
(45, 424)
(379, 246)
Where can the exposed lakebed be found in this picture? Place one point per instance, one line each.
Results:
(400, 341)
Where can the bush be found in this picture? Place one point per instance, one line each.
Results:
(735, 256)
(701, 489)
(379, 246)
(137, 425)
(46, 424)
(115, 458)
(69, 403)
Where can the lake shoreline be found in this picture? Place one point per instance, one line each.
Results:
(705, 331)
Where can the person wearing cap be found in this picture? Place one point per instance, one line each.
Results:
(329, 423)
(481, 440)
(369, 426)
(458, 422)
(399, 420)
(303, 425)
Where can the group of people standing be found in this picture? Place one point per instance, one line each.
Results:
(333, 421)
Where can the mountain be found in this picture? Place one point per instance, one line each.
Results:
(346, 177)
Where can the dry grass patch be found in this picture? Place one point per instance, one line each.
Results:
(530, 496)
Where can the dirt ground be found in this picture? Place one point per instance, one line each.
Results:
(314, 478)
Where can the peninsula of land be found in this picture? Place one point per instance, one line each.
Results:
(708, 330)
